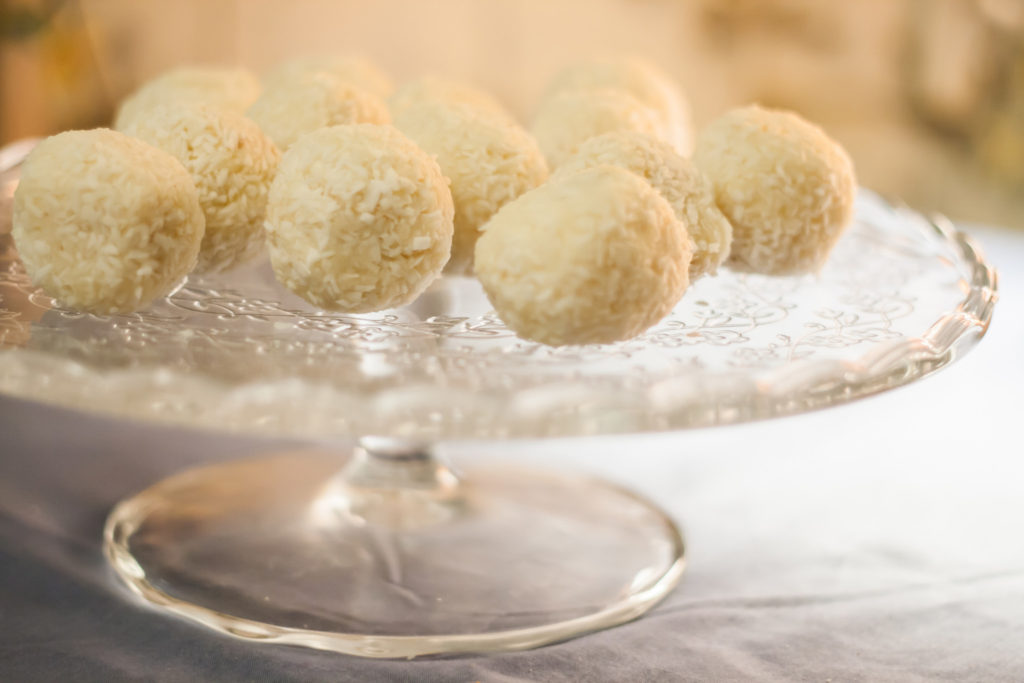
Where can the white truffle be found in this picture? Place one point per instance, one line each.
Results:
(489, 162)
(678, 181)
(359, 219)
(642, 80)
(357, 71)
(231, 162)
(786, 187)
(568, 119)
(105, 223)
(288, 109)
(429, 89)
(228, 87)
(593, 257)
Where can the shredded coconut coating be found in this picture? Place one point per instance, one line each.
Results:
(568, 119)
(676, 178)
(231, 162)
(593, 257)
(358, 71)
(642, 80)
(228, 87)
(288, 109)
(359, 220)
(786, 187)
(488, 160)
(105, 223)
(429, 89)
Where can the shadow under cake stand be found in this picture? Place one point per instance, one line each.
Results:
(382, 550)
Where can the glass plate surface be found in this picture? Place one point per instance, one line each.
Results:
(901, 296)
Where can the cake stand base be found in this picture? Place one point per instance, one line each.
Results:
(390, 554)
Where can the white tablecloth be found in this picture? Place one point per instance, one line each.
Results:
(878, 541)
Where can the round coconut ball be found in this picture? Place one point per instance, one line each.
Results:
(440, 91)
(786, 187)
(489, 162)
(231, 162)
(642, 80)
(105, 223)
(678, 181)
(227, 87)
(568, 119)
(357, 71)
(593, 257)
(288, 109)
(359, 219)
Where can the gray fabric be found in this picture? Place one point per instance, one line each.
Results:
(880, 541)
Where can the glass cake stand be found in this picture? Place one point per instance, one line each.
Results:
(380, 549)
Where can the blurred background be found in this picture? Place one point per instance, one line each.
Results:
(928, 95)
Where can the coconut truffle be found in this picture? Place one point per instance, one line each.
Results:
(593, 257)
(357, 71)
(359, 219)
(440, 91)
(105, 223)
(642, 80)
(489, 161)
(231, 162)
(227, 87)
(568, 119)
(786, 187)
(288, 109)
(678, 181)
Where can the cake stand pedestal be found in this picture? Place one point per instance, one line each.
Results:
(393, 554)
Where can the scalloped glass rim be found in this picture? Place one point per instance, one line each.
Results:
(224, 362)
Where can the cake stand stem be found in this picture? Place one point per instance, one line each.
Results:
(391, 484)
